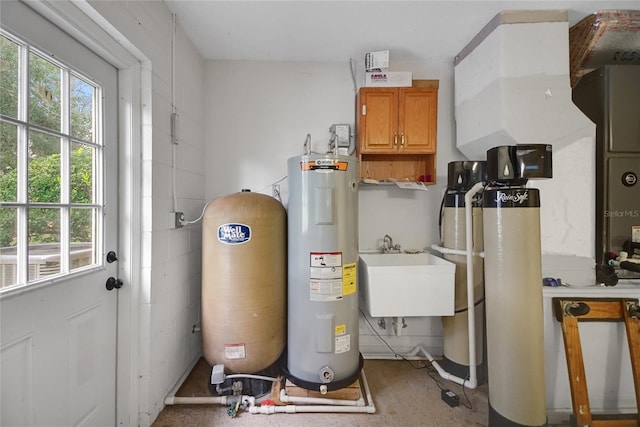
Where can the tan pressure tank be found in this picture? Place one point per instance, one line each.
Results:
(244, 282)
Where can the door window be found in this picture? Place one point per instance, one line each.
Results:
(51, 152)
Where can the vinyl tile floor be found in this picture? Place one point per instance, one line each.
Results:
(403, 393)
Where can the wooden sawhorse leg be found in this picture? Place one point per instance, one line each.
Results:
(570, 311)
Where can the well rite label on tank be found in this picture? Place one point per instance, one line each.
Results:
(234, 351)
(234, 234)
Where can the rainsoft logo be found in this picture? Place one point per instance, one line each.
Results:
(234, 234)
(513, 197)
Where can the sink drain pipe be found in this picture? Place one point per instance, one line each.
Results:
(472, 381)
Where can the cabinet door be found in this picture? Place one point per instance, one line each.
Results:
(378, 125)
(417, 119)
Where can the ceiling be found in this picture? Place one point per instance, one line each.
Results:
(340, 30)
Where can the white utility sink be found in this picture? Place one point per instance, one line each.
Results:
(403, 284)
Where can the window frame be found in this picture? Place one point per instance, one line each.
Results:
(22, 204)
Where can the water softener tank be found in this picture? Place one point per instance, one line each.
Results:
(513, 285)
(322, 344)
(244, 282)
(462, 176)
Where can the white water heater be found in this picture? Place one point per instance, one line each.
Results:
(323, 320)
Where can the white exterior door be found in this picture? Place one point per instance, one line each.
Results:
(58, 336)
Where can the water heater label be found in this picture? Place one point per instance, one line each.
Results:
(326, 259)
(325, 290)
(234, 351)
(325, 272)
(234, 234)
(349, 279)
(324, 164)
(343, 343)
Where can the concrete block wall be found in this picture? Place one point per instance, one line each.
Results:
(170, 286)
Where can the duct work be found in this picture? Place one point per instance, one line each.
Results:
(512, 85)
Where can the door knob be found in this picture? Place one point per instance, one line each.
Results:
(112, 282)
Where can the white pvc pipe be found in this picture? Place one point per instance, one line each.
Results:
(284, 397)
(472, 382)
(196, 400)
(293, 409)
(398, 325)
(450, 251)
(208, 400)
(296, 409)
(471, 316)
(176, 387)
(469, 383)
(624, 256)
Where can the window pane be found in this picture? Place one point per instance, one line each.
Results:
(8, 162)
(8, 250)
(82, 96)
(83, 232)
(44, 242)
(82, 173)
(8, 77)
(44, 168)
(44, 93)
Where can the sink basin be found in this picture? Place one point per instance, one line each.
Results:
(402, 284)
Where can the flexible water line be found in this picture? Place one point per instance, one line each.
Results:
(252, 376)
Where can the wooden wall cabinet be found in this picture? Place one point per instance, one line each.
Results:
(397, 130)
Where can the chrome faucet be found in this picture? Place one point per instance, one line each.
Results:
(387, 243)
(388, 246)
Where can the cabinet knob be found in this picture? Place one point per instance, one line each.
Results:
(402, 139)
(395, 138)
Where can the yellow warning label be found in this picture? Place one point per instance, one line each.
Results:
(341, 329)
(349, 279)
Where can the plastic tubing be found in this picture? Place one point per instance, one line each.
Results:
(253, 377)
